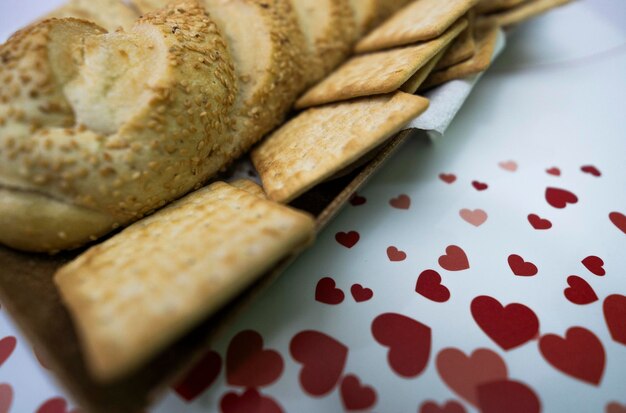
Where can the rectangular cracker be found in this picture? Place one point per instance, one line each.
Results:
(490, 6)
(522, 13)
(486, 37)
(419, 21)
(463, 47)
(142, 289)
(249, 186)
(322, 141)
(377, 73)
(413, 84)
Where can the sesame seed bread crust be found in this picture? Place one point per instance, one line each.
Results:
(109, 14)
(130, 296)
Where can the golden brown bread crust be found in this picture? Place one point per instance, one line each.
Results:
(110, 14)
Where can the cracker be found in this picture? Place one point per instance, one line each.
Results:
(419, 21)
(249, 186)
(522, 13)
(142, 289)
(463, 46)
(486, 37)
(413, 84)
(490, 6)
(377, 73)
(322, 141)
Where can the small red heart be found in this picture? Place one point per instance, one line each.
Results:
(248, 365)
(55, 405)
(510, 166)
(580, 354)
(348, 239)
(595, 265)
(250, 401)
(454, 259)
(579, 291)
(510, 326)
(201, 376)
(408, 340)
(559, 198)
(447, 178)
(592, 170)
(451, 406)
(479, 186)
(538, 222)
(615, 315)
(619, 220)
(401, 202)
(508, 396)
(326, 292)
(323, 359)
(464, 374)
(356, 396)
(361, 294)
(395, 254)
(429, 285)
(357, 200)
(615, 407)
(522, 268)
(554, 171)
(476, 217)
(6, 397)
(7, 345)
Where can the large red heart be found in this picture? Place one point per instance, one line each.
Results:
(6, 397)
(464, 374)
(200, 377)
(248, 365)
(579, 291)
(539, 223)
(7, 345)
(408, 341)
(326, 292)
(592, 170)
(347, 239)
(580, 354)
(509, 326)
(520, 267)
(615, 315)
(447, 178)
(479, 186)
(361, 294)
(56, 405)
(429, 285)
(356, 396)
(559, 198)
(508, 396)
(323, 359)
(395, 255)
(451, 406)
(595, 265)
(454, 259)
(619, 220)
(476, 217)
(401, 202)
(250, 401)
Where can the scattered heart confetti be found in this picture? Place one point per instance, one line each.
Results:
(591, 170)
(539, 223)
(476, 217)
(6, 397)
(580, 354)
(55, 405)
(250, 401)
(348, 239)
(248, 364)
(395, 255)
(7, 345)
(448, 178)
(615, 315)
(454, 259)
(560, 198)
(326, 292)
(508, 396)
(595, 265)
(579, 291)
(357, 200)
(429, 285)
(615, 407)
(356, 396)
(479, 186)
(619, 220)
(451, 406)
(510, 166)
(361, 294)
(520, 267)
(554, 171)
(401, 202)
(408, 341)
(201, 376)
(510, 326)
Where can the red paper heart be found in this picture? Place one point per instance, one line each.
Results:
(56, 405)
(554, 171)
(615, 407)
(510, 166)
(580, 354)
(323, 359)
(361, 294)
(429, 285)
(464, 374)
(347, 239)
(507, 396)
(509, 326)
(201, 376)
(615, 315)
(401, 202)
(451, 406)
(357, 200)
(579, 291)
(455, 259)
(326, 292)
(248, 365)
(408, 341)
(356, 396)
(595, 265)
(447, 178)
(522, 268)
(7, 345)
(619, 220)
(475, 217)
(538, 222)
(592, 170)
(395, 254)
(249, 401)
(479, 186)
(6, 397)
(559, 198)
